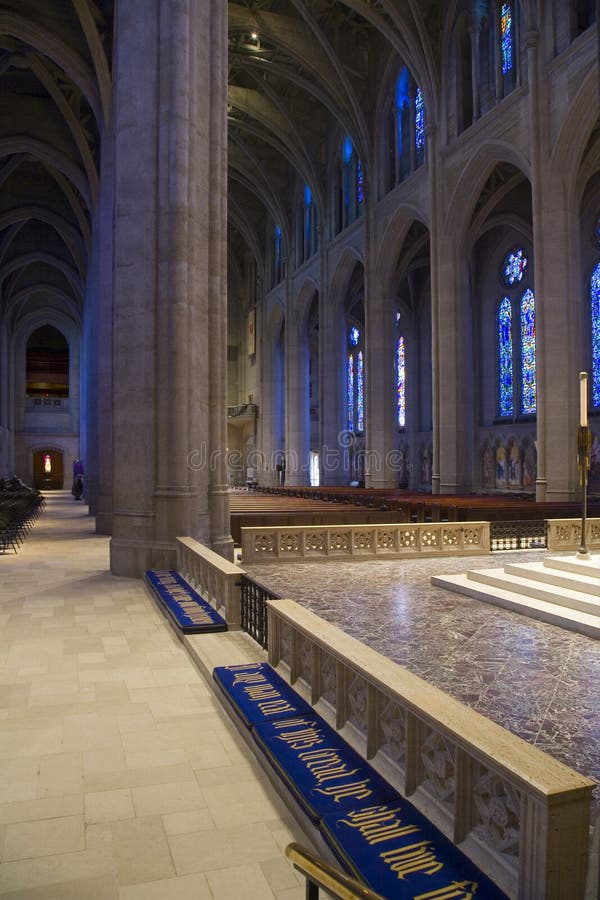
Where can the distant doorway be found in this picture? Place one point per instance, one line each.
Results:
(48, 470)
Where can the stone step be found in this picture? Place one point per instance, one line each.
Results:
(579, 583)
(521, 582)
(547, 611)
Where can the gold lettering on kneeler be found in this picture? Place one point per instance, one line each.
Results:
(377, 824)
(303, 739)
(413, 858)
(275, 707)
(249, 678)
(458, 890)
(339, 792)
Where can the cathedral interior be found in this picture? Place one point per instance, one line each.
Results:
(307, 243)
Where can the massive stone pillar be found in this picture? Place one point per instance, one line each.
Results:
(169, 299)
(557, 295)
(96, 430)
(297, 403)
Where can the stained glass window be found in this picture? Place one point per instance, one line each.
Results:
(360, 392)
(595, 313)
(354, 335)
(360, 188)
(277, 248)
(401, 382)
(419, 122)
(307, 219)
(514, 266)
(528, 375)
(505, 358)
(350, 392)
(506, 36)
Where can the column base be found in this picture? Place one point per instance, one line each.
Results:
(132, 558)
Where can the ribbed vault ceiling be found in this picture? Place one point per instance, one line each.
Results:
(299, 70)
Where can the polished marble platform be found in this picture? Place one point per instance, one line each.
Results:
(561, 590)
(121, 775)
(535, 679)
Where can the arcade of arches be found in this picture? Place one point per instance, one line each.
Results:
(368, 230)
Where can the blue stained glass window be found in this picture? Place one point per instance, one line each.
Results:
(506, 21)
(595, 313)
(401, 382)
(597, 231)
(307, 217)
(360, 189)
(354, 335)
(505, 358)
(402, 100)
(419, 121)
(528, 373)
(514, 267)
(360, 392)
(350, 392)
(277, 243)
(347, 150)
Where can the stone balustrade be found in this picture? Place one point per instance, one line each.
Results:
(215, 578)
(386, 541)
(565, 534)
(521, 815)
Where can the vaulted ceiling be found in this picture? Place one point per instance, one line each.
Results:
(298, 70)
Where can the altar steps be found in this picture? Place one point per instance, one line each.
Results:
(563, 591)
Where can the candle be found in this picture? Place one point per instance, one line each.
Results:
(583, 415)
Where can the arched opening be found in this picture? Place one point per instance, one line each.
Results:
(48, 469)
(47, 363)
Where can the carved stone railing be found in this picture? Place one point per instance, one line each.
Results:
(215, 578)
(519, 814)
(565, 534)
(386, 541)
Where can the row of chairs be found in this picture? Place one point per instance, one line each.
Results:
(20, 507)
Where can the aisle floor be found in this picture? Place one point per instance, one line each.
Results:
(121, 777)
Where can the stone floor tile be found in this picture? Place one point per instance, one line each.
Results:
(60, 774)
(186, 822)
(25, 840)
(247, 881)
(105, 888)
(108, 806)
(206, 850)
(187, 887)
(141, 851)
(159, 799)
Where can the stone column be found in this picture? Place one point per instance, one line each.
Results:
(557, 295)
(97, 429)
(379, 364)
(169, 355)
(297, 402)
(332, 406)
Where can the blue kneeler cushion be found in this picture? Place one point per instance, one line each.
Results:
(190, 612)
(375, 833)
(399, 853)
(322, 771)
(258, 694)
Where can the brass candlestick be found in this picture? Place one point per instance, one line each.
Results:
(584, 450)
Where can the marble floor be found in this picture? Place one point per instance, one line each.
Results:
(538, 681)
(121, 778)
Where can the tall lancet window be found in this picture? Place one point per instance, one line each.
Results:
(352, 190)
(277, 255)
(595, 323)
(506, 36)
(355, 381)
(528, 370)
(400, 382)
(505, 358)
(517, 378)
(420, 126)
